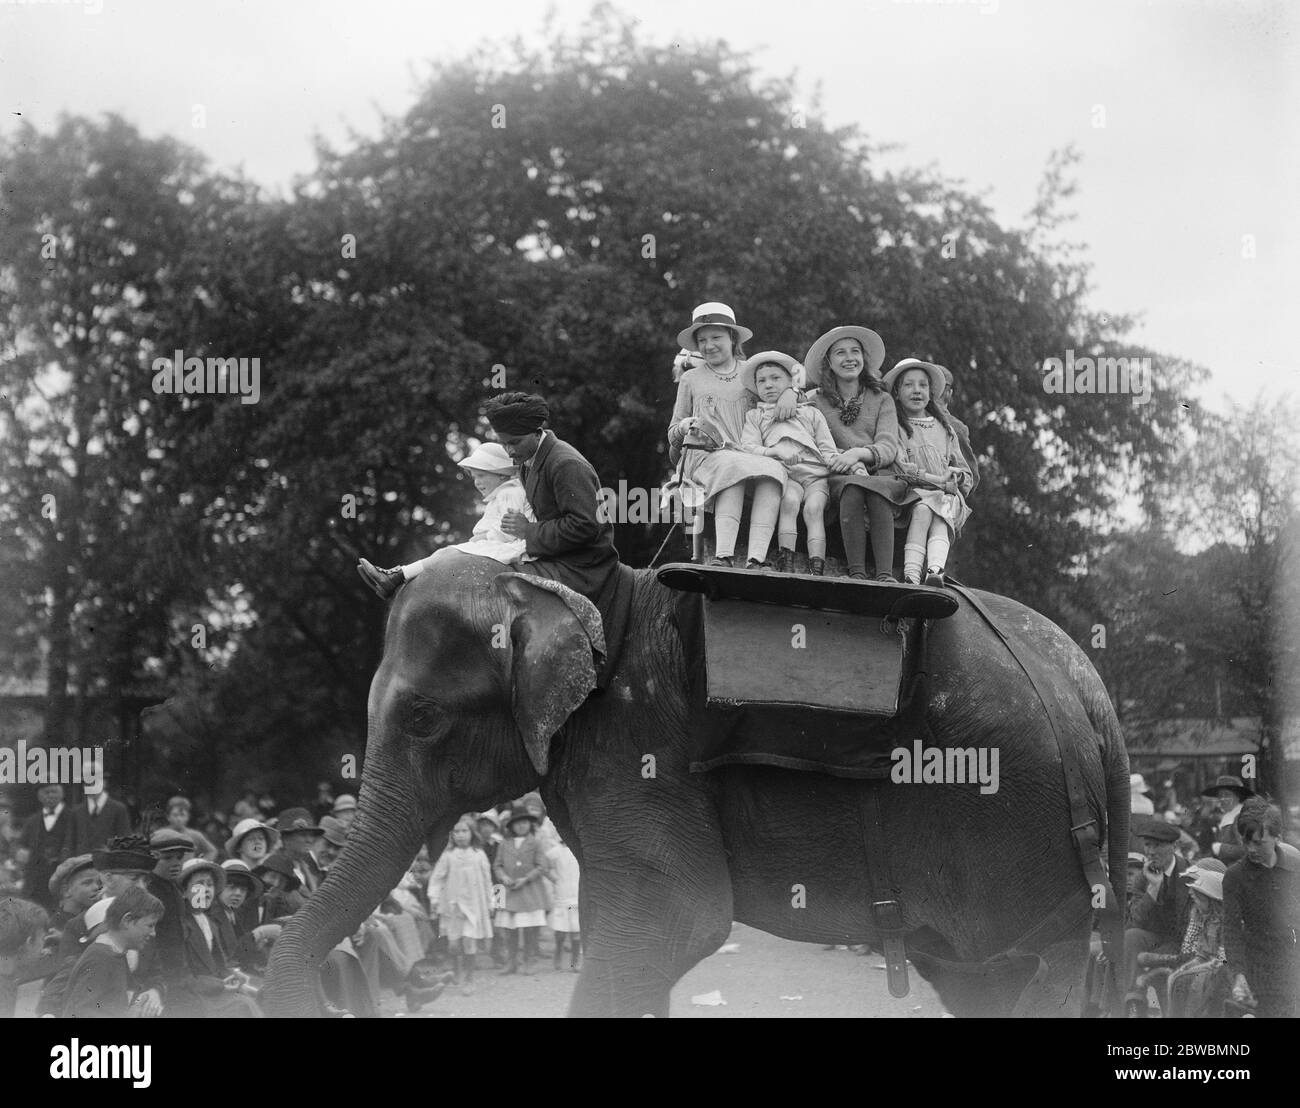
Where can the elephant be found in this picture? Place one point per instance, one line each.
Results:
(462, 716)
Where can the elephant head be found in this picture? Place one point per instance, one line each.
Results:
(478, 675)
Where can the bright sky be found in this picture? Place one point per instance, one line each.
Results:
(1187, 113)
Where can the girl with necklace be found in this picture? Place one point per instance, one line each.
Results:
(712, 402)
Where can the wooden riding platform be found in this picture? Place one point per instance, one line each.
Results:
(885, 599)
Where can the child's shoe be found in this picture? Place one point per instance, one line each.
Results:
(384, 582)
(754, 565)
(887, 577)
(817, 567)
(726, 561)
(784, 560)
(934, 578)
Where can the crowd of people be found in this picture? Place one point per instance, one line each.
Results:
(1213, 922)
(110, 917)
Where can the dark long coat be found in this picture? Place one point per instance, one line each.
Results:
(92, 832)
(47, 849)
(572, 543)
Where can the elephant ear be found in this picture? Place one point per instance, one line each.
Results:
(551, 669)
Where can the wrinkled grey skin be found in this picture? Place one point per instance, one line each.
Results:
(456, 724)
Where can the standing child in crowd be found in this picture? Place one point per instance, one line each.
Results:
(460, 891)
(494, 475)
(803, 445)
(102, 984)
(564, 914)
(22, 934)
(930, 458)
(520, 867)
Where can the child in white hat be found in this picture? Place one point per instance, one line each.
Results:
(495, 476)
(803, 444)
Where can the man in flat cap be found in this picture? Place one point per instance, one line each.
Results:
(570, 542)
(1158, 916)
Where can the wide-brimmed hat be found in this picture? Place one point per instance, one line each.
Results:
(237, 870)
(335, 833)
(712, 314)
(67, 868)
(932, 371)
(346, 801)
(1232, 783)
(196, 865)
(1209, 882)
(1138, 784)
(246, 827)
(520, 812)
(873, 347)
(123, 861)
(278, 863)
(297, 819)
(490, 457)
(165, 840)
(749, 367)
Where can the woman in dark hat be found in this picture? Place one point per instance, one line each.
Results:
(708, 422)
(1230, 794)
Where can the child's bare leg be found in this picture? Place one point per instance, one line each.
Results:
(762, 516)
(414, 569)
(787, 529)
(814, 518)
(914, 544)
(727, 506)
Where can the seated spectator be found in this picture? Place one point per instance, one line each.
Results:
(330, 844)
(345, 810)
(178, 819)
(1158, 917)
(1261, 908)
(243, 935)
(252, 842)
(171, 850)
(75, 886)
(1199, 986)
(282, 897)
(102, 984)
(1229, 793)
(298, 836)
(222, 989)
(23, 924)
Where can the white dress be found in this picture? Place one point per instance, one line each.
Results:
(565, 874)
(932, 449)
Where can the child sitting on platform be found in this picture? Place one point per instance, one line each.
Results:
(803, 444)
(931, 460)
(494, 475)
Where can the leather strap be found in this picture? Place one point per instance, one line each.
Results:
(1084, 830)
(886, 911)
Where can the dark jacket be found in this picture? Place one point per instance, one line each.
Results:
(1261, 926)
(237, 940)
(48, 849)
(207, 966)
(573, 544)
(1166, 917)
(93, 832)
(99, 986)
(1231, 848)
(523, 863)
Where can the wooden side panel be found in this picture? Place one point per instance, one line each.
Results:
(756, 654)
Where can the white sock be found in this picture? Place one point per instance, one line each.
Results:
(936, 550)
(726, 529)
(787, 539)
(760, 538)
(913, 556)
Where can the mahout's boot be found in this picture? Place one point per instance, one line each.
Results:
(384, 582)
(512, 952)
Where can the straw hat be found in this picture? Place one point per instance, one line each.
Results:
(489, 457)
(749, 368)
(237, 869)
(196, 865)
(873, 346)
(1209, 882)
(712, 314)
(932, 371)
(246, 827)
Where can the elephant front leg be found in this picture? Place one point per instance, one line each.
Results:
(646, 923)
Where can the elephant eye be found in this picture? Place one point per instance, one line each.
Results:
(422, 716)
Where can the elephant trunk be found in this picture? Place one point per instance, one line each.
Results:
(389, 830)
